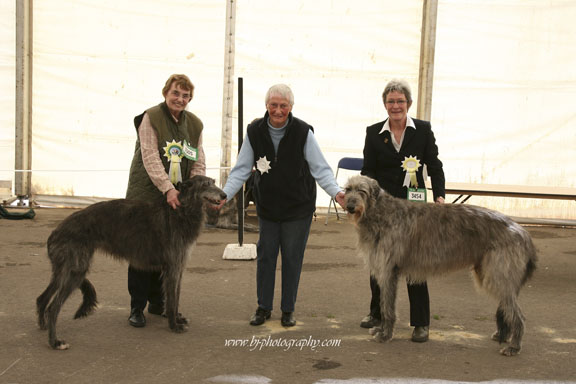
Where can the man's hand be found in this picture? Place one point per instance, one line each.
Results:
(172, 198)
(340, 199)
(440, 200)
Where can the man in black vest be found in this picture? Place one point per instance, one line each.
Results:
(168, 148)
(288, 164)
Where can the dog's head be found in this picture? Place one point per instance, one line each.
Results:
(200, 189)
(361, 194)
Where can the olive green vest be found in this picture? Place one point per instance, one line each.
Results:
(189, 128)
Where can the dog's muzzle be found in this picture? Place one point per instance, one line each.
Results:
(215, 201)
(351, 208)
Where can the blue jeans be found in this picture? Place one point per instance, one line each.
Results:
(290, 239)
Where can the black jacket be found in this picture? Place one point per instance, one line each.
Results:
(287, 191)
(383, 163)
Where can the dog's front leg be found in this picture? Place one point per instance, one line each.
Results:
(171, 287)
(388, 283)
(179, 318)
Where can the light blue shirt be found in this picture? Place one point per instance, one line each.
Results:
(318, 165)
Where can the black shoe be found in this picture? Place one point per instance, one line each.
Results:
(137, 318)
(370, 322)
(156, 309)
(287, 319)
(420, 334)
(260, 316)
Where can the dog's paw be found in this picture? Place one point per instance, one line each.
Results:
(179, 328)
(510, 351)
(181, 320)
(60, 345)
(379, 335)
(382, 337)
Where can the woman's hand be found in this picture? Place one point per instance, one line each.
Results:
(340, 198)
(219, 206)
(172, 198)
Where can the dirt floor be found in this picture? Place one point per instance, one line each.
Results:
(326, 346)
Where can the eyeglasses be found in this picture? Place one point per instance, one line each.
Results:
(392, 102)
(282, 106)
(185, 96)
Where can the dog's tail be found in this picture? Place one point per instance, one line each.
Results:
(89, 301)
(532, 254)
(530, 268)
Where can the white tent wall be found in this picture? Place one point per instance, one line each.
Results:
(503, 104)
(504, 81)
(97, 64)
(336, 57)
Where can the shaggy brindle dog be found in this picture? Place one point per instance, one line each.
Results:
(399, 237)
(149, 235)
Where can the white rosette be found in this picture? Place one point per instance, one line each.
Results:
(410, 165)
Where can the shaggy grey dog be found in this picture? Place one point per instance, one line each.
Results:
(227, 217)
(399, 237)
(150, 235)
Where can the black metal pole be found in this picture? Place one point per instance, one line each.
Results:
(240, 138)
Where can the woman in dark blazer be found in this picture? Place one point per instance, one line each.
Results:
(388, 145)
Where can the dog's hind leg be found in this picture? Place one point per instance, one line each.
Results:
(89, 301)
(388, 283)
(510, 321)
(65, 287)
(502, 334)
(42, 302)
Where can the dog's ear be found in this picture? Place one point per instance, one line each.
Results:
(187, 191)
(185, 186)
(374, 189)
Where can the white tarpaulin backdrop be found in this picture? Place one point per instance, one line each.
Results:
(503, 98)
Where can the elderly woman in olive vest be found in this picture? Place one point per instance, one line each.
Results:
(168, 149)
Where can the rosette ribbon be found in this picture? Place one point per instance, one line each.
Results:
(174, 152)
(410, 165)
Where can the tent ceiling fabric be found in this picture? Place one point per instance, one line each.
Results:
(502, 106)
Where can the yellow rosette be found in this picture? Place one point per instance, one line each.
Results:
(411, 165)
(174, 152)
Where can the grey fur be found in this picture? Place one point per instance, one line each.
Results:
(150, 235)
(399, 237)
(227, 217)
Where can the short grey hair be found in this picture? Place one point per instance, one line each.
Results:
(281, 90)
(398, 85)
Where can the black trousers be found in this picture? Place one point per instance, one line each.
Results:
(419, 303)
(144, 287)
